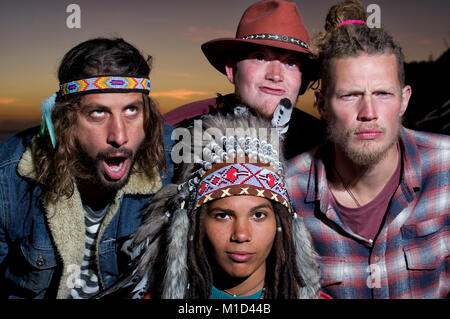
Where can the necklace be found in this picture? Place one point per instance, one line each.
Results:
(243, 293)
(347, 188)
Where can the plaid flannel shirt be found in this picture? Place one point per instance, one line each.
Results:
(409, 258)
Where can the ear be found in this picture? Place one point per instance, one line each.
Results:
(406, 95)
(230, 68)
(319, 102)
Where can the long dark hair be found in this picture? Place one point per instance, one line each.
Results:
(57, 169)
(282, 275)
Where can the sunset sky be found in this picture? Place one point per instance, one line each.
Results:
(34, 37)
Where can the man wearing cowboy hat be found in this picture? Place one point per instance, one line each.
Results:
(269, 64)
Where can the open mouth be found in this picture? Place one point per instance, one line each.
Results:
(115, 167)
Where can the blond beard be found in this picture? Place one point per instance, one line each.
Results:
(363, 154)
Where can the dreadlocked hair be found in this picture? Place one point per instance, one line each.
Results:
(283, 278)
(351, 40)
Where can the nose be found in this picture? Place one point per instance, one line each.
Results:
(117, 133)
(241, 232)
(274, 71)
(367, 110)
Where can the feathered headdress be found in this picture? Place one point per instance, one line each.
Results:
(238, 155)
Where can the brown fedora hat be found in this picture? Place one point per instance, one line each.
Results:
(272, 23)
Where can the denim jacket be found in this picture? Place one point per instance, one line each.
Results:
(42, 245)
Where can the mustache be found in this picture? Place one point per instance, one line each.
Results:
(111, 151)
(363, 127)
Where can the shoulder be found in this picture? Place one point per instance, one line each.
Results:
(298, 172)
(429, 150)
(12, 149)
(425, 140)
(14, 205)
(167, 131)
(426, 166)
(189, 111)
(300, 164)
(303, 170)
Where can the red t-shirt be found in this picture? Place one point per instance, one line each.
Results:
(366, 220)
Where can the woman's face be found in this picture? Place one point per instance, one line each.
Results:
(241, 230)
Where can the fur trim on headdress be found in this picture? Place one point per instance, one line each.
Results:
(305, 256)
(176, 278)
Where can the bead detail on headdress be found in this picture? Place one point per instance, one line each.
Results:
(234, 179)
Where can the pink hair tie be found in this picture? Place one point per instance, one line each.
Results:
(351, 21)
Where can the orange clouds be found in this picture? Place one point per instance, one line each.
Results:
(180, 94)
(7, 100)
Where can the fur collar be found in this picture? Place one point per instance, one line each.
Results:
(66, 219)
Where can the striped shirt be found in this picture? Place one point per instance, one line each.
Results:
(410, 256)
(86, 285)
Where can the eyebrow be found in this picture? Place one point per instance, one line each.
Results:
(360, 91)
(349, 91)
(230, 211)
(223, 210)
(261, 206)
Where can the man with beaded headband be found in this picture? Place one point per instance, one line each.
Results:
(376, 196)
(228, 228)
(269, 64)
(73, 192)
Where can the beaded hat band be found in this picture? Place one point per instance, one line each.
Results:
(242, 179)
(105, 84)
(276, 37)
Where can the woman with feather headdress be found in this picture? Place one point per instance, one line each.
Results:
(228, 228)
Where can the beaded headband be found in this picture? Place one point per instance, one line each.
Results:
(106, 84)
(89, 85)
(242, 179)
